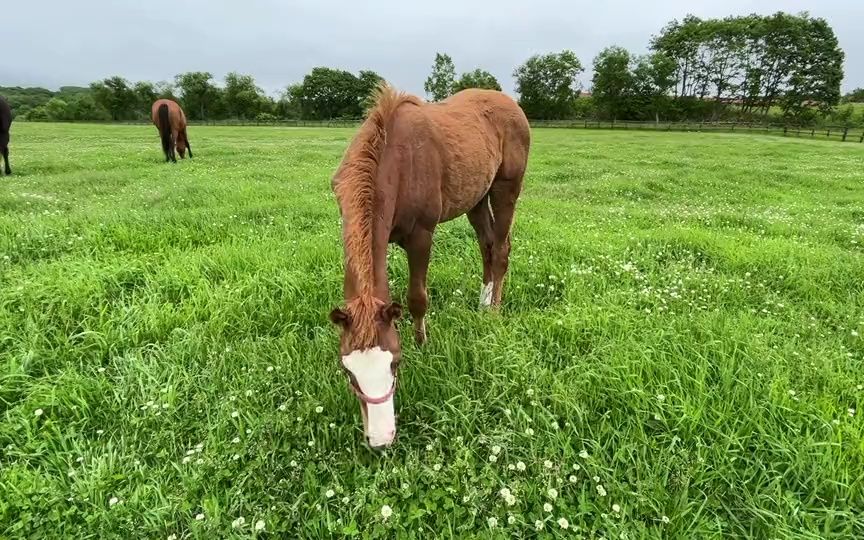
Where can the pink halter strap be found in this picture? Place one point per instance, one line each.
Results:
(370, 400)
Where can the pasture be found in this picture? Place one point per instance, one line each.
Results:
(679, 354)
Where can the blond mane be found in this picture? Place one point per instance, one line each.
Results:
(354, 185)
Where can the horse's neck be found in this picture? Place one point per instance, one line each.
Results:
(379, 282)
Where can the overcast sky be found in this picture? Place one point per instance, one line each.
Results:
(72, 42)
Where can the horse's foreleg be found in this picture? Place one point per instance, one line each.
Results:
(6, 168)
(480, 218)
(418, 247)
(173, 144)
(503, 195)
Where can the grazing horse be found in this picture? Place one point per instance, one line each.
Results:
(171, 123)
(412, 166)
(5, 124)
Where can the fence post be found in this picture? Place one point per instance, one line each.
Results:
(785, 129)
(828, 134)
(861, 140)
(845, 133)
(813, 132)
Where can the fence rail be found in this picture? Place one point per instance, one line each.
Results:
(835, 133)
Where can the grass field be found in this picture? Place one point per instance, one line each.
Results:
(679, 354)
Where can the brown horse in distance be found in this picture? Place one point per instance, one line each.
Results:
(412, 166)
(171, 123)
(5, 124)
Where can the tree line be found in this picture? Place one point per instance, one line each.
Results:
(751, 67)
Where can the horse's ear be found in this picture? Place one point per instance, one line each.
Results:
(340, 318)
(391, 312)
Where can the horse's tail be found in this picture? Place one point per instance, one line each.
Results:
(165, 129)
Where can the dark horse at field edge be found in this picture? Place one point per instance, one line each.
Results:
(412, 166)
(5, 124)
(171, 123)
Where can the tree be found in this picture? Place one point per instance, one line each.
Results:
(199, 95)
(817, 70)
(367, 82)
(612, 82)
(83, 107)
(165, 90)
(115, 96)
(653, 80)
(855, 96)
(330, 93)
(57, 110)
(439, 85)
(477, 79)
(242, 98)
(290, 104)
(548, 85)
(145, 95)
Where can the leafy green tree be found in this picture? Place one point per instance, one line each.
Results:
(166, 90)
(330, 93)
(817, 70)
(145, 95)
(653, 78)
(548, 85)
(855, 96)
(476, 79)
(439, 84)
(199, 94)
(115, 96)
(82, 107)
(612, 82)
(290, 103)
(57, 110)
(242, 98)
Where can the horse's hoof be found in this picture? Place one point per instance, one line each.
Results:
(420, 336)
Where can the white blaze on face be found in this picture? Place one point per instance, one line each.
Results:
(372, 372)
(486, 294)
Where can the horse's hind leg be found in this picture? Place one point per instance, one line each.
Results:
(4, 150)
(172, 146)
(502, 197)
(418, 247)
(480, 218)
(188, 146)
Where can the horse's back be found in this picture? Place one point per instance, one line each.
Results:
(5, 115)
(485, 135)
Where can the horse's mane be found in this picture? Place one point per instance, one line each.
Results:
(354, 185)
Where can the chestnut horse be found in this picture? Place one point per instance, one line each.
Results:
(5, 124)
(412, 166)
(171, 123)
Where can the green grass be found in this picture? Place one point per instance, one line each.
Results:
(686, 309)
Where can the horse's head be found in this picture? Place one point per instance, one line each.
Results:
(181, 148)
(369, 353)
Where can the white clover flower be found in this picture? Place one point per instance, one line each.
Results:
(172, 537)
(547, 464)
(563, 523)
(190, 452)
(259, 525)
(661, 398)
(538, 525)
(112, 501)
(664, 519)
(553, 493)
(547, 507)
(510, 500)
(596, 479)
(583, 454)
(319, 409)
(511, 467)
(496, 449)
(345, 500)
(529, 392)
(386, 511)
(332, 425)
(529, 432)
(199, 517)
(492, 522)
(329, 493)
(520, 466)
(436, 467)
(493, 458)
(235, 414)
(235, 457)
(239, 522)
(504, 492)
(199, 461)
(616, 508)
(851, 412)
(511, 519)
(186, 460)
(38, 412)
(577, 467)
(293, 463)
(283, 407)
(235, 440)
(269, 369)
(601, 490)
(573, 479)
